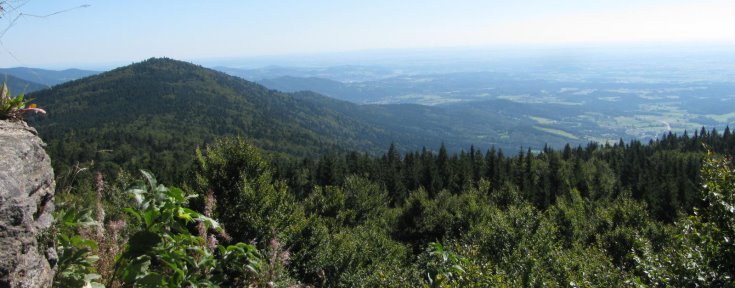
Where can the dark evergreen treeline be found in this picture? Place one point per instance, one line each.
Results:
(596, 216)
(599, 216)
(663, 173)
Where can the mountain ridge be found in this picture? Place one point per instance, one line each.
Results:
(154, 113)
(47, 77)
(20, 86)
(157, 111)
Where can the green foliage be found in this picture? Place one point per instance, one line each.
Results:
(163, 252)
(311, 248)
(356, 254)
(417, 222)
(704, 254)
(356, 202)
(717, 227)
(76, 260)
(600, 216)
(462, 268)
(572, 219)
(252, 207)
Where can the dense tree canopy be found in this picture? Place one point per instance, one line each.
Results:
(600, 215)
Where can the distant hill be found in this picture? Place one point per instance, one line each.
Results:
(328, 87)
(18, 86)
(500, 123)
(342, 73)
(426, 89)
(45, 77)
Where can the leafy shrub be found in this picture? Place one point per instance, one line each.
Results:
(457, 265)
(159, 248)
(76, 260)
(164, 253)
(256, 208)
(705, 253)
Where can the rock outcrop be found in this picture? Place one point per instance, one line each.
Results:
(26, 203)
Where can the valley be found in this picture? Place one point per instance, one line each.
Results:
(568, 99)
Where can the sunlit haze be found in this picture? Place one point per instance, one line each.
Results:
(98, 33)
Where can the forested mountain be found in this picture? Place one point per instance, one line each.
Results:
(18, 86)
(45, 77)
(154, 113)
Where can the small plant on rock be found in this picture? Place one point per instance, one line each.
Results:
(13, 108)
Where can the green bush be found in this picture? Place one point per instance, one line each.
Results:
(164, 253)
(253, 207)
(76, 264)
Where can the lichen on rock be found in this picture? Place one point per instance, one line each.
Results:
(26, 207)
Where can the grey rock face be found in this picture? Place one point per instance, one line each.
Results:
(26, 203)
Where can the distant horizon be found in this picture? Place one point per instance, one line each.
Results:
(98, 33)
(377, 57)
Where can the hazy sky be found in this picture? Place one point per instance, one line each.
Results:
(108, 32)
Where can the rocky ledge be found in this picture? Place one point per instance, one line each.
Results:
(26, 203)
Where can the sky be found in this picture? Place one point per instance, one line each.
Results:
(98, 33)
